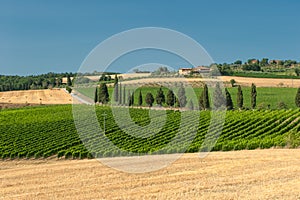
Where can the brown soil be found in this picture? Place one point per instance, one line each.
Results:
(258, 174)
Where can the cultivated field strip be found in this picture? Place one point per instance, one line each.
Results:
(42, 132)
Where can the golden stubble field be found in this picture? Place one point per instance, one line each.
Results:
(258, 174)
(54, 96)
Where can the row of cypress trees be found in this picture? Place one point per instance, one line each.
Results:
(102, 96)
(221, 100)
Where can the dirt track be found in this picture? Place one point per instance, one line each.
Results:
(55, 96)
(259, 174)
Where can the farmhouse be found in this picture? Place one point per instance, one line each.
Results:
(199, 69)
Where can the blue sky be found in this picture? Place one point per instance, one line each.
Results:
(42, 36)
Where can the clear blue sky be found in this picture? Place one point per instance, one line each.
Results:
(42, 36)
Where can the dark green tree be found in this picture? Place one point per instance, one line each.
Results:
(191, 105)
(219, 100)
(204, 99)
(124, 96)
(170, 98)
(229, 104)
(129, 98)
(69, 82)
(149, 99)
(201, 102)
(140, 103)
(116, 89)
(297, 71)
(132, 98)
(120, 94)
(160, 97)
(253, 96)
(181, 96)
(103, 95)
(297, 99)
(96, 95)
(232, 82)
(240, 99)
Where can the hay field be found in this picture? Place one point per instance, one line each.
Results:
(258, 174)
(54, 96)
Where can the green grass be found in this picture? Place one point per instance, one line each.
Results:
(265, 96)
(50, 130)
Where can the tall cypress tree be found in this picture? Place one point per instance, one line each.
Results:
(297, 99)
(69, 82)
(96, 95)
(191, 105)
(219, 99)
(160, 97)
(149, 99)
(181, 96)
(116, 89)
(129, 103)
(103, 94)
(240, 99)
(124, 96)
(204, 99)
(170, 98)
(120, 94)
(229, 104)
(253, 96)
(132, 98)
(140, 103)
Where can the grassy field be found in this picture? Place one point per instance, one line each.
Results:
(50, 130)
(265, 96)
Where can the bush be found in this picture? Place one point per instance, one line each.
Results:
(69, 89)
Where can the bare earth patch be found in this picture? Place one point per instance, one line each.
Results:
(54, 96)
(258, 174)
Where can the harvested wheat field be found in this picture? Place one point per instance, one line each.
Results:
(54, 96)
(258, 174)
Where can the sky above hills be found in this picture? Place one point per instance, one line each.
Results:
(42, 36)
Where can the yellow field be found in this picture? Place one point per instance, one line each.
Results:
(55, 96)
(259, 174)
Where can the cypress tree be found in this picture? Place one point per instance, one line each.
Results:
(229, 104)
(160, 97)
(120, 94)
(170, 98)
(96, 95)
(181, 96)
(116, 89)
(240, 99)
(149, 99)
(69, 82)
(297, 99)
(191, 105)
(103, 94)
(132, 98)
(129, 98)
(204, 99)
(124, 96)
(140, 99)
(219, 99)
(201, 102)
(253, 96)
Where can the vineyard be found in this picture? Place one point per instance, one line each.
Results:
(50, 131)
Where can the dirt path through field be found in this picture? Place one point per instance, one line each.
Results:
(259, 174)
